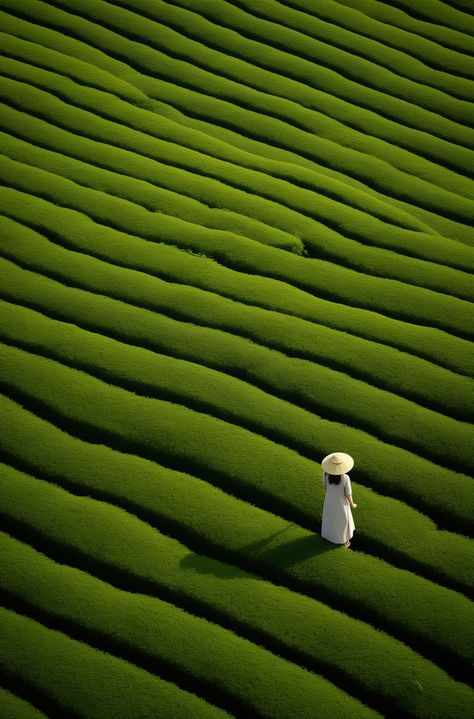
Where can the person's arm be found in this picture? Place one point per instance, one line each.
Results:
(349, 495)
(349, 499)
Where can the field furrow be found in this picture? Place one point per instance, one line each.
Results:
(436, 554)
(448, 280)
(70, 116)
(431, 54)
(348, 31)
(416, 305)
(14, 707)
(242, 116)
(391, 15)
(69, 671)
(109, 414)
(160, 187)
(440, 13)
(399, 421)
(390, 418)
(198, 583)
(400, 475)
(187, 240)
(283, 329)
(160, 637)
(299, 50)
(39, 56)
(130, 25)
(298, 170)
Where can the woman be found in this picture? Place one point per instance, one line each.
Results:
(337, 525)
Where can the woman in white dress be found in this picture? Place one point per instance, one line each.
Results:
(337, 523)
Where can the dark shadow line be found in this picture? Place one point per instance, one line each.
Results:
(297, 398)
(120, 648)
(323, 251)
(351, 371)
(370, 545)
(453, 664)
(294, 77)
(403, 316)
(34, 695)
(433, 66)
(369, 180)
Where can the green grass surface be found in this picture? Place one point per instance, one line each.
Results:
(112, 414)
(387, 416)
(434, 553)
(287, 210)
(202, 584)
(92, 679)
(410, 376)
(407, 302)
(398, 473)
(12, 706)
(127, 623)
(194, 206)
(408, 46)
(210, 100)
(235, 237)
(419, 23)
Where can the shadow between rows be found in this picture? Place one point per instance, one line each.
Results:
(396, 314)
(120, 648)
(264, 564)
(302, 79)
(264, 500)
(86, 430)
(32, 694)
(339, 365)
(300, 182)
(176, 54)
(312, 249)
(197, 113)
(364, 33)
(124, 580)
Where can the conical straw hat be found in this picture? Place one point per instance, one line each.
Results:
(337, 463)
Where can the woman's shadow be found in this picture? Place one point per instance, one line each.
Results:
(263, 552)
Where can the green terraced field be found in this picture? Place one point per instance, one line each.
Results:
(236, 236)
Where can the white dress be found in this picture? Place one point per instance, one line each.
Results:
(337, 523)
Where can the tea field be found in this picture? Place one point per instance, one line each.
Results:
(236, 236)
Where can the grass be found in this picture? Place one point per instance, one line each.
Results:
(408, 46)
(150, 630)
(402, 301)
(235, 236)
(295, 205)
(158, 188)
(245, 107)
(411, 539)
(288, 55)
(444, 35)
(136, 326)
(360, 35)
(168, 569)
(197, 132)
(88, 75)
(391, 418)
(409, 376)
(14, 707)
(171, 433)
(248, 285)
(222, 352)
(96, 681)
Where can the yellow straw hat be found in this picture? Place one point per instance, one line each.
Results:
(337, 463)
